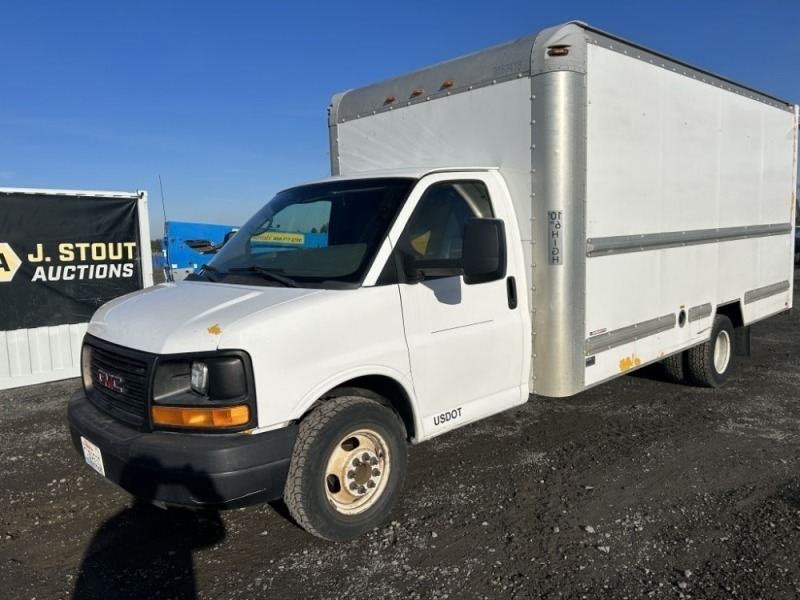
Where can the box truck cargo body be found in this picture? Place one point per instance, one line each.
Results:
(643, 187)
(536, 218)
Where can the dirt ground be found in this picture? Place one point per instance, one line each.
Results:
(639, 488)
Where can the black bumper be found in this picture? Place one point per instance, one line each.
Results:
(183, 469)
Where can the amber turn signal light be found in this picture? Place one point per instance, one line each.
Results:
(180, 416)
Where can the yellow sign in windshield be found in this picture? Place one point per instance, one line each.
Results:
(281, 238)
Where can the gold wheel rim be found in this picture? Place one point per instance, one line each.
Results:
(357, 471)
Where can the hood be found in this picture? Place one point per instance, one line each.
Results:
(184, 316)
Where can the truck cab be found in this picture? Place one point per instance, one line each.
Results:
(207, 404)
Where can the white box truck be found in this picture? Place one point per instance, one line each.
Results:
(536, 218)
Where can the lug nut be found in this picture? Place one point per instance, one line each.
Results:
(351, 474)
(356, 462)
(374, 460)
(370, 484)
(362, 490)
(365, 457)
(375, 472)
(354, 486)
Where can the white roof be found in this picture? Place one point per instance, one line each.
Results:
(410, 173)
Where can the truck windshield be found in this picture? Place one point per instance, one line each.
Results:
(320, 235)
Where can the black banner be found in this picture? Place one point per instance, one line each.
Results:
(62, 256)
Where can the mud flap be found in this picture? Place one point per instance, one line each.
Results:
(741, 341)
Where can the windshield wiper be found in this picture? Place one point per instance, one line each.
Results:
(208, 269)
(270, 274)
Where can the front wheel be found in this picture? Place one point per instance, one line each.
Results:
(347, 469)
(709, 363)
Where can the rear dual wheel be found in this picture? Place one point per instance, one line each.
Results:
(709, 364)
(675, 367)
(348, 468)
(706, 365)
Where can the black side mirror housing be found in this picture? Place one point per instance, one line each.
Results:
(484, 251)
(409, 270)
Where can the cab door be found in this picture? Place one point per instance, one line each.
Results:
(465, 342)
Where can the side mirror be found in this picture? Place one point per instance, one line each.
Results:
(409, 269)
(484, 251)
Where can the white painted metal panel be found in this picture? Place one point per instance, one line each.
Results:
(667, 153)
(625, 358)
(30, 356)
(487, 127)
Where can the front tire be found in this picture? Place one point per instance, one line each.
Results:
(347, 469)
(709, 364)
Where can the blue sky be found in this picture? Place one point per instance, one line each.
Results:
(227, 100)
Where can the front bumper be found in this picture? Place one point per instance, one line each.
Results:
(186, 469)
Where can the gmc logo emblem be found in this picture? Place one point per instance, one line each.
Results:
(112, 382)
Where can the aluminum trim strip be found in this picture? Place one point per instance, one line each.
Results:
(621, 244)
(558, 183)
(700, 312)
(491, 66)
(631, 333)
(766, 292)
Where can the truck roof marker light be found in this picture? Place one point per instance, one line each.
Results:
(389, 100)
(183, 416)
(558, 51)
(448, 84)
(417, 92)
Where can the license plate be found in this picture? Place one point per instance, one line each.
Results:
(93, 456)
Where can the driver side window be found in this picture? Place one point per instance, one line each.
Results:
(434, 236)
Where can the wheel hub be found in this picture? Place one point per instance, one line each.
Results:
(364, 473)
(357, 472)
(722, 352)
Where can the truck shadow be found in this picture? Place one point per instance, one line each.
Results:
(146, 552)
(280, 508)
(653, 372)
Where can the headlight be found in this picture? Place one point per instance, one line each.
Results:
(208, 391)
(200, 378)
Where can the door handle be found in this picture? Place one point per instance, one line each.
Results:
(511, 288)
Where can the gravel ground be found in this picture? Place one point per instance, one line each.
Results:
(639, 488)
